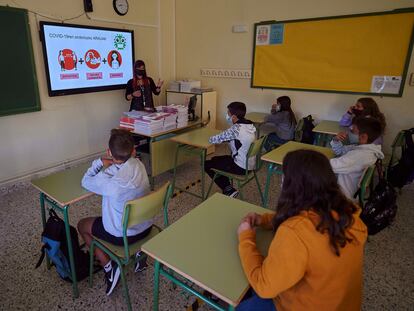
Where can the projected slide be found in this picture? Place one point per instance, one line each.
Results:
(82, 59)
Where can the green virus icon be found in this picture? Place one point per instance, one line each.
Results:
(120, 42)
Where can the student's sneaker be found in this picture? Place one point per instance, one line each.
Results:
(233, 193)
(140, 262)
(112, 278)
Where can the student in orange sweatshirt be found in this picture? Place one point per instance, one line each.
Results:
(315, 259)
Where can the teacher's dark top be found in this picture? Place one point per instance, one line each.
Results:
(145, 100)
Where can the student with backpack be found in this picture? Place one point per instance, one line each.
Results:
(283, 121)
(352, 160)
(315, 259)
(119, 178)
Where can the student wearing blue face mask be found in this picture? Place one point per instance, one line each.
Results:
(240, 136)
(283, 121)
(364, 107)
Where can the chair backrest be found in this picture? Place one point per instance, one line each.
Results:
(255, 150)
(147, 207)
(299, 130)
(398, 142)
(364, 183)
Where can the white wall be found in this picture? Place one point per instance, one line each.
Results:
(205, 40)
(75, 126)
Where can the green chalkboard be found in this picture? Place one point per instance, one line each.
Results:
(19, 92)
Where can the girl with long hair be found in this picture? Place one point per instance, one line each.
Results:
(283, 121)
(315, 259)
(140, 88)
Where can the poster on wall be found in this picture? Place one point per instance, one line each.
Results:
(81, 59)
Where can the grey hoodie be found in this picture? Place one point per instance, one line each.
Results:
(118, 184)
(351, 162)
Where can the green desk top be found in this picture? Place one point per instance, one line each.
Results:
(197, 138)
(329, 127)
(256, 117)
(203, 246)
(276, 155)
(64, 187)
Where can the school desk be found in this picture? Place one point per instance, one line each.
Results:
(325, 130)
(202, 248)
(275, 158)
(161, 149)
(196, 143)
(60, 190)
(258, 118)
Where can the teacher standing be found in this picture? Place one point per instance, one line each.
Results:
(139, 89)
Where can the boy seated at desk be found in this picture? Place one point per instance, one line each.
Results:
(240, 136)
(119, 178)
(315, 259)
(352, 160)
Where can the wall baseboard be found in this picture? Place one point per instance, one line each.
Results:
(48, 170)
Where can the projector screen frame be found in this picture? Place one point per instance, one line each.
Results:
(72, 91)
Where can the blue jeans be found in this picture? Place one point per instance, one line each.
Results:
(255, 303)
(273, 140)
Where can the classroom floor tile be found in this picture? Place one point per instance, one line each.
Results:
(388, 270)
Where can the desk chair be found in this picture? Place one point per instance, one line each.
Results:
(399, 142)
(135, 212)
(254, 151)
(365, 185)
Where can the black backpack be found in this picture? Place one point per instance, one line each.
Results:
(402, 173)
(55, 246)
(308, 136)
(380, 209)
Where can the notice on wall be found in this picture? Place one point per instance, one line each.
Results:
(386, 84)
(269, 34)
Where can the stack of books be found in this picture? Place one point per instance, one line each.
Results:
(182, 115)
(149, 124)
(127, 123)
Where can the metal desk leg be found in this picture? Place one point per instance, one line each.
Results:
(156, 285)
(266, 191)
(70, 251)
(203, 159)
(177, 151)
(43, 214)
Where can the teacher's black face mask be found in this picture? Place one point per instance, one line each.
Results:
(140, 72)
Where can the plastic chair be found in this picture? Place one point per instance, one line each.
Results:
(135, 212)
(398, 142)
(365, 185)
(299, 130)
(254, 151)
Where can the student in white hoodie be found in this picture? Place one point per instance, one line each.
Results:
(240, 136)
(118, 179)
(352, 160)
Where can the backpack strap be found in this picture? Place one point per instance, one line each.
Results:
(42, 255)
(379, 168)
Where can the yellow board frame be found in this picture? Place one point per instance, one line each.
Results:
(336, 54)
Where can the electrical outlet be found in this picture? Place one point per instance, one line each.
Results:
(226, 73)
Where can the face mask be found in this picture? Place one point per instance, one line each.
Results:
(356, 112)
(353, 138)
(140, 72)
(276, 109)
(228, 119)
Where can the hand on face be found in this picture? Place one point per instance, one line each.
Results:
(341, 136)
